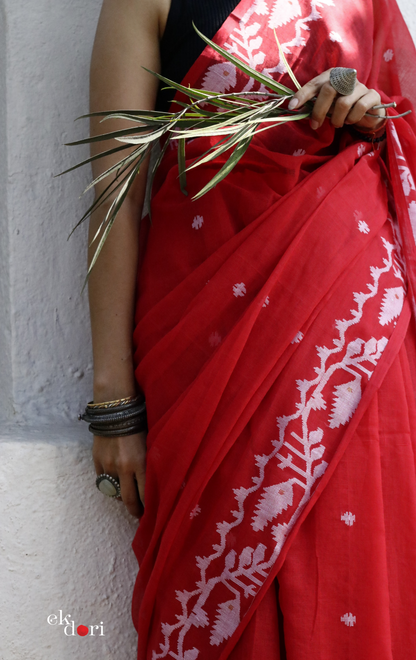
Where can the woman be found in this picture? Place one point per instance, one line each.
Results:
(274, 342)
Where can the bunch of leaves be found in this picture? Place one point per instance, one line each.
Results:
(234, 118)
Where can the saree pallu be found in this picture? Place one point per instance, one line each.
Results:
(276, 347)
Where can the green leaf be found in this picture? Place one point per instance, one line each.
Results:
(152, 175)
(96, 157)
(182, 166)
(237, 154)
(252, 73)
(285, 62)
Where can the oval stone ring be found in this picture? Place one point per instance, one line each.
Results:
(343, 80)
(108, 485)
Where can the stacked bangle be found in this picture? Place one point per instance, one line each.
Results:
(116, 418)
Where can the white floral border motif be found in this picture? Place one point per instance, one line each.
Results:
(243, 575)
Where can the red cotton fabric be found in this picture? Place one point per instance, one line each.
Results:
(275, 344)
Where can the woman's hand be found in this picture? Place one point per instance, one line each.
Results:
(124, 459)
(342, 110)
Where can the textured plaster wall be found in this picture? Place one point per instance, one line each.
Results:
(48, 48)
(62, 545)
(5, 329)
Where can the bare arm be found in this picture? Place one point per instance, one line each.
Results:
(127, 38)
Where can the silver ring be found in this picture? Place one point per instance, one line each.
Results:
(343, 80)
(108, 485)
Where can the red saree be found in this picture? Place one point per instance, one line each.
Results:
(276, 347)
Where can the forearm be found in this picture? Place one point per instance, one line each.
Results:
(112, 290)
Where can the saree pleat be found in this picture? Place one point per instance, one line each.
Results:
(270, 343)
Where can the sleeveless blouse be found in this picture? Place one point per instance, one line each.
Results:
(180, 45)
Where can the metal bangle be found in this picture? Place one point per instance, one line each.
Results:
(136, 421)
(139, 398)
(118, 433)
(112, 416)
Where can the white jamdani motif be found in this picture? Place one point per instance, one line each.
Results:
(274, 500)
(412, 216)
(297, 338)
(349, 619)
(348, 518)
(283, 12)
(239, 290)
(220, 77)
(299, 152)
(226, 621)
(407, 179)
(346, 399)
(392, 305)
(195, 512)
(335, 37)
(360, 150)
(388, 55)
(197, 222)
(363, 227)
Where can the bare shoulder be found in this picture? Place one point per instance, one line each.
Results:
(126, 43)
(127, 39)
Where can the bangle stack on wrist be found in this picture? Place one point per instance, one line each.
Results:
(116, 418)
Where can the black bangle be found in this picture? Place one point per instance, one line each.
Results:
(130, 430)
(114, 415)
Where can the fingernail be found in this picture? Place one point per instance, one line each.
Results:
(293, 103)
(314, 124)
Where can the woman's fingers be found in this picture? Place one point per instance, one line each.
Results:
(310, 90)
(130, 495)
(350, 109)
(124, 458)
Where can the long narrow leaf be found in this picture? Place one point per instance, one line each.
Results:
(93, 158)
(251, 73)
(182, 166)
(284, 60)
(226, 168)
(152, 175)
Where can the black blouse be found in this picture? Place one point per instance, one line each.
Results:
(180, 45)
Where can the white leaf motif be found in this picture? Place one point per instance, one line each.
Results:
(320, 469)
(274, 500)
(280, 532)
(317, 453)
(346, 400)
(412, 216)
(191, 654)
(283, 12)
(392, 305)
(220, 77)
(407, 180)
(260, 7)
(226, 622)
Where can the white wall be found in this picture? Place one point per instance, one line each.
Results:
(63, 546)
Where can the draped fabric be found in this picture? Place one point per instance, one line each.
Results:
(276, 347)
